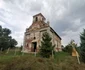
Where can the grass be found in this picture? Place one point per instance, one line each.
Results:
(61, 61)
(60, 56)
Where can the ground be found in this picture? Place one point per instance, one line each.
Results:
(19, 61)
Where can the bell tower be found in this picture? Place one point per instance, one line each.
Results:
(38, 17)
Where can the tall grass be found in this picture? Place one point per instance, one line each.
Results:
(61, 61)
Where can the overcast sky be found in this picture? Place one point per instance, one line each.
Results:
(67, 17)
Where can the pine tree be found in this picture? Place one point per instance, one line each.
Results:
(82, 46)
(46, 47)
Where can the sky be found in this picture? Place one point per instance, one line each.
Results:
(66, 17)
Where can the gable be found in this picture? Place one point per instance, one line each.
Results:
(37, 25)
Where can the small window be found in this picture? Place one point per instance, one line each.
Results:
(36, 18)
(34, 37)
(27, 45)
(28, 34)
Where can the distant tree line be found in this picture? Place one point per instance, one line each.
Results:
(6, 41)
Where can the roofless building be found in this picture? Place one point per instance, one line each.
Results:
(33, 35)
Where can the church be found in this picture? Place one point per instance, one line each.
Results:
(33, 35)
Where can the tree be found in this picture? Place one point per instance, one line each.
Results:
(62, 47)
(46, 47)
(13, 43)
(69, 47)
(82, 46)
(6, 40)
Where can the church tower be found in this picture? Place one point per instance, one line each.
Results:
(38, 17)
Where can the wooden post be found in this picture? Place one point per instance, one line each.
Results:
(1, 49)
(52, 54)
(78, 58)
(77, 55)
(35, 53)
(8, 50)
(22, 53)
(15, 52)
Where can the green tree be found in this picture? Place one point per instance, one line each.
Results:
(6, 40)
(69, 47)
(46, 47)
(13, 43)
(82, 46)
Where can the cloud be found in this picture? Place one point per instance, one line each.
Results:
(67, 17)
(36, 6)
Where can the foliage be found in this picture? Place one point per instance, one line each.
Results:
(82, 46)
(69, 47)
(46, 47)
(6, 40)
(62, 47)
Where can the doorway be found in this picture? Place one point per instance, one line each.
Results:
(34, 46)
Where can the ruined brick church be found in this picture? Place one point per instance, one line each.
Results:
(33, 35)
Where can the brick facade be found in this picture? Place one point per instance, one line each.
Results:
(33, 35)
